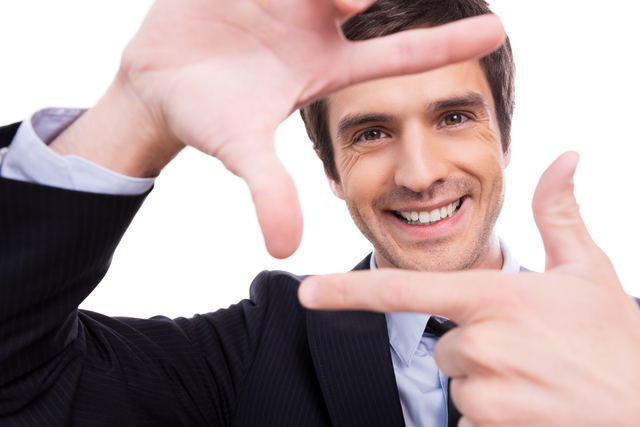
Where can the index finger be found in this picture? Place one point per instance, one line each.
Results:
(458, 296)
(423, 49)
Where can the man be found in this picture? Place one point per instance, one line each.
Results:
(459, 94)
(267, 361)
(156, 372)
(420, 162)
(566, 341)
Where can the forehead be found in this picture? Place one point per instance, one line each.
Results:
(406, 96)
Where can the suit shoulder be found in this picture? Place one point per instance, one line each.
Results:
(269, 283)
(7, 133)
(277, 282)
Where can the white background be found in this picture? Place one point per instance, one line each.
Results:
(195, 245)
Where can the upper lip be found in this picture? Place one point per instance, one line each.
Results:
(426, 208)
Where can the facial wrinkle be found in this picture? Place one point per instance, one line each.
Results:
(402, 195)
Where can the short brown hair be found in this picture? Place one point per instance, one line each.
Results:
(386, 17)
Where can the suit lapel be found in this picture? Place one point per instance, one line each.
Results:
(453, 415)
(7, 133)
(350, 351)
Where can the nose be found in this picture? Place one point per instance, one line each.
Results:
(420, 162)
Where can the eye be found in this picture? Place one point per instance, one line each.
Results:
(454, 119)
(371, 135)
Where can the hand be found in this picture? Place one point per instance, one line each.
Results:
(554, 349)
(221, 75)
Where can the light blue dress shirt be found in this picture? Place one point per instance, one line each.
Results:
(30, 159)
(421, 385)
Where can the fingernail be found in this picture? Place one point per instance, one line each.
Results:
(308, 293)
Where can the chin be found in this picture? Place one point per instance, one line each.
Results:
(435, 259)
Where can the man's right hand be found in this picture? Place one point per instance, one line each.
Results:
(221, 76)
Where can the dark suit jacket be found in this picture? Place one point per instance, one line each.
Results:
(266, 361)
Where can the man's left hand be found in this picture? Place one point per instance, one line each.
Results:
(554, 349)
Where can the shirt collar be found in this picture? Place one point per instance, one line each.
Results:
(509, 263)
(406, 329)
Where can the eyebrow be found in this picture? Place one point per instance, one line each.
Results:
(470, 99)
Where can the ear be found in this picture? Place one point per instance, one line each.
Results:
(506, 157)
(335, 187)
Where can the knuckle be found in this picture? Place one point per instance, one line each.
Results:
(399, 294)
(342, 291)
(404, 54)
(476, 354)
(470, 345)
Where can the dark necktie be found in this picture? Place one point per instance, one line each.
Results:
(437, 326)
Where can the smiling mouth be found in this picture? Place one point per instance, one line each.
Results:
(429, 217)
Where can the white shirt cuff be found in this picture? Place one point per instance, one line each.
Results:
(29, 159)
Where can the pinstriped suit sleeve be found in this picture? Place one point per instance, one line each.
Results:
(63, 366)
(55, 246)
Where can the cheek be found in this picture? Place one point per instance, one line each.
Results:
(364, 176)
(481, 155)
(490, 137)
(346, 163)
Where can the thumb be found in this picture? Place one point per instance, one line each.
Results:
(275, 198)
(557, 215)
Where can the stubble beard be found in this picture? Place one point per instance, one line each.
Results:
(442, 255)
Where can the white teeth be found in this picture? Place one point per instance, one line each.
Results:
(428, 218)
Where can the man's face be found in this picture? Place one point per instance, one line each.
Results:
(410, 150)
